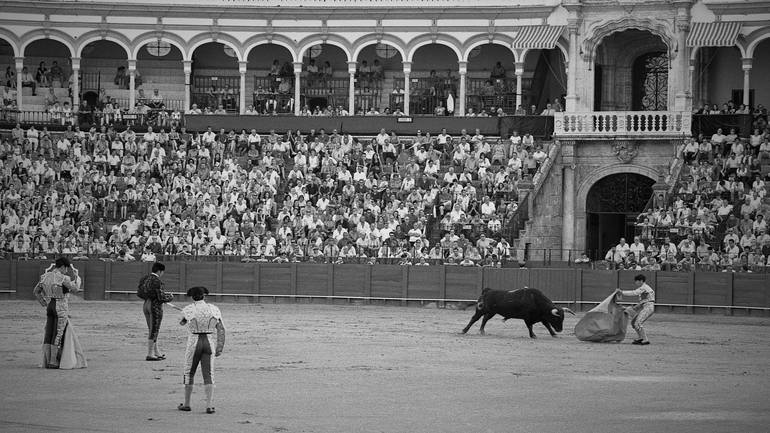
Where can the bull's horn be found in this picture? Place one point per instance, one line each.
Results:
(567, 310)
(555, 312)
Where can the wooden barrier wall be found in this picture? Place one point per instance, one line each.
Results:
(676, 291)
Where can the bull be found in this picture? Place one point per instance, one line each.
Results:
(530, 305)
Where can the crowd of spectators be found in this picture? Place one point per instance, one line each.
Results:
(320, 196)
(717, 217)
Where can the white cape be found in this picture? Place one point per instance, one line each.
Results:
(72, 354)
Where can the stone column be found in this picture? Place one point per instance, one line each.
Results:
(131, 84)
(568, 199)
(407, 72)
(297, 76)
(746, 65)
(352, 88)
(19, 68)
(187, 64)
(75, 83)
(572, 65)
(461, 105)
(519, 73)
(682, 84)
(242, 95)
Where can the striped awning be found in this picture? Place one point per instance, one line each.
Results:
(719, 34)
(541, 37)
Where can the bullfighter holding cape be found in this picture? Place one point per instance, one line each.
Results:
(608, 321)
(61, 348)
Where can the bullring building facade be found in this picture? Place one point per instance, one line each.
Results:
(620, 78)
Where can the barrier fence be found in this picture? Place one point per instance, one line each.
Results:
(724, 292)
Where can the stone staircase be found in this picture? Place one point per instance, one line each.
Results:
(540, 206)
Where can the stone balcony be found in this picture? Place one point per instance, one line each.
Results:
(623, 124)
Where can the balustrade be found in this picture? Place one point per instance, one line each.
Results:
(623, 123)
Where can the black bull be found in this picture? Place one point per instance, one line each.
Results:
(530, 305)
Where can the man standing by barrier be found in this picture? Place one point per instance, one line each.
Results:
(152, 291)
(644, 308)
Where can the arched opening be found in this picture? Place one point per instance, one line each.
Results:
(8, 64)
(544, 81)
(47, 69)
(434, 80)
(8, 71)
(717, 78)
(215, 81)
(104, 65)
(616, 81)
(379, 78)
(759, 89)
(612, 206)
(272, 86)
(491, 80)
(160, 68)
(324, 81)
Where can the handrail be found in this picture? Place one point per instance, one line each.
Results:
(623, 123)
(539, 178)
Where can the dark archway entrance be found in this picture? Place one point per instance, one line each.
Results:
(612, 206)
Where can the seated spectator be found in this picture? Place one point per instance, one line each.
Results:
(498, 71)
(56, 74)
(27, 80)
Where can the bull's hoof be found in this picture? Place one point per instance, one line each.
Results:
(533, 336)
(464, 331)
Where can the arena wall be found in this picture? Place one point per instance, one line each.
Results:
(685, 292)
(538, 126)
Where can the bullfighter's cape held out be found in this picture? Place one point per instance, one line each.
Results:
(605, 323)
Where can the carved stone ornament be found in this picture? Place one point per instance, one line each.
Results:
(625, 150)
(595, 36)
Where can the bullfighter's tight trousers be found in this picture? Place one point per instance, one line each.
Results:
(646, 310)
(55, 324)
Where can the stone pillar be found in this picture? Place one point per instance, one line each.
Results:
(519, 73)
(131, 84)
(568, 200)
(19, 67)
(352, 87)
(242, 93)
(407, 72)
(746, 65)
(187, 64)
(461, 105)
(297, 76)
(75, 83)
(682, 84)
(572, 65)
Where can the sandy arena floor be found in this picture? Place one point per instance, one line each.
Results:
(326, 368)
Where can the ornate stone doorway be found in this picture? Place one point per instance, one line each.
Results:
(612, 205)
